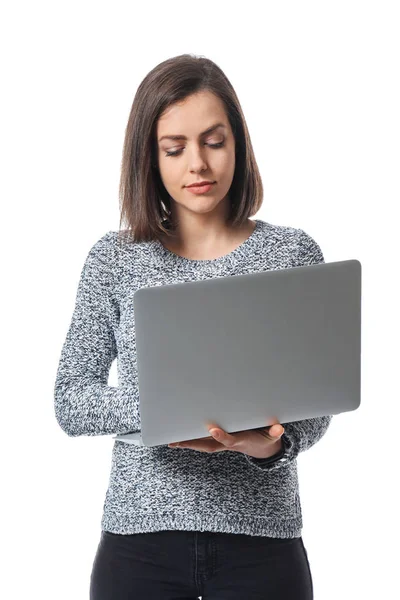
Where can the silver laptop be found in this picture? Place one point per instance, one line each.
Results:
(247, 351)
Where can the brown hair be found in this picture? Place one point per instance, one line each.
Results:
(144, 201)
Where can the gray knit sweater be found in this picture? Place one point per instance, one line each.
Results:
(160, 488)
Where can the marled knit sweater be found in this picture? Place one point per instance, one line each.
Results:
(160, 488)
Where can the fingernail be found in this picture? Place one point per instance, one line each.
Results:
(278, 435)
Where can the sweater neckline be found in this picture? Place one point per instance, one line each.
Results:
(240, 251)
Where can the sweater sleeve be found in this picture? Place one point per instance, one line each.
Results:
(299, 435)
(84, 402)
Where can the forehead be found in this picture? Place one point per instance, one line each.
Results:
(192, 117)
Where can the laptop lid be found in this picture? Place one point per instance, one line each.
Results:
(248, 350)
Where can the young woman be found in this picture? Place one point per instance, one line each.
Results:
(218, 517)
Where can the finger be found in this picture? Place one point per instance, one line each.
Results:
(217, 434)
(224, 438)
(276, 430)
(174, 444)
(202, 446)
(273, 432)
(197, 442)
(215, 442)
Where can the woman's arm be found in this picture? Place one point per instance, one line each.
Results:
(84, 403)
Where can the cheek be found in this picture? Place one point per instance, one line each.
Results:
(225, 160)
(170, 174)
(226, 165)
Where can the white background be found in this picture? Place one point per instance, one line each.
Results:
(319, 86)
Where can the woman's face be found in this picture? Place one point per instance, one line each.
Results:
(197, 156)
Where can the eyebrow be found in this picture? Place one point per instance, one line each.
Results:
(183, 137)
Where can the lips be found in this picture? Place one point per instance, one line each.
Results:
(200, 184)
(200, 189)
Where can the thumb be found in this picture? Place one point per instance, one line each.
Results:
(276, 431)
(272, 432)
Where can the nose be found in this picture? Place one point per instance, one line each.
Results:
(197, 162)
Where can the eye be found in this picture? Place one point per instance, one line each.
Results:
(219, 145)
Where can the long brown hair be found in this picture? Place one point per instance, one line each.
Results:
(144, 202)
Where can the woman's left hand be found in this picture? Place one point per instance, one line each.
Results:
(260, 443)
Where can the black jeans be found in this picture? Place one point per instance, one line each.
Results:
(186, 565)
